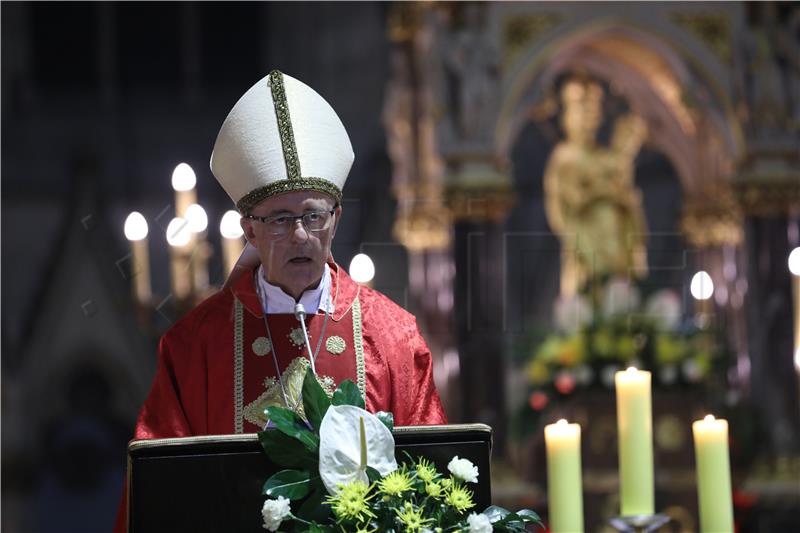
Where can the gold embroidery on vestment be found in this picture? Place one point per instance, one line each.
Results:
(296, 337)
(292, 378)
(261, 346)
(238, 366)
(358, 342)
(335, 345)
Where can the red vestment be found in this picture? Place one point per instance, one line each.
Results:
(216, 371)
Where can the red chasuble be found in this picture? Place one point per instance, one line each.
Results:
(216, 371)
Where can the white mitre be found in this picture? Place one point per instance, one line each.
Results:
(281, 136)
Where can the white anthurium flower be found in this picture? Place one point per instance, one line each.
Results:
(350, 439)
(463, 469)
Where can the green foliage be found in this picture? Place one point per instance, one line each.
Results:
(410, 498)
(386, 418)
(291, 484)
(283, 449)
(289, 423)
(315, 401)
(348, 394)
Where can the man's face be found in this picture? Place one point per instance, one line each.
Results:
(295, 261)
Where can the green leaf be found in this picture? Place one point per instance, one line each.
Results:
(315, 401)
(387, 418)
(292, 425)
(373, 475)
(292, 484)
(283, 449)
(348, 394)
(530, 516)
(496, 513)
(314, 509)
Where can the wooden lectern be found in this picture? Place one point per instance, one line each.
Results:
(213, 483)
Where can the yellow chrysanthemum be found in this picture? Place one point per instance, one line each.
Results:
(434, 490)
(412, 519)
(351, 503)
(425, 470)
(395, 483)
(459, 498)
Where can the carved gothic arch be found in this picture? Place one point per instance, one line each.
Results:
(671, 85)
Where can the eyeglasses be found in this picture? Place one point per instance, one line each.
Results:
(280, 225)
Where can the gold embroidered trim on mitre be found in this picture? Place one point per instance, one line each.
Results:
(335, 344)
(358, 341)
(238, 366)
(284, 125)
(256, 196)
(292, 378)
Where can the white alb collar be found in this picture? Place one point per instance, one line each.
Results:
(274, 300)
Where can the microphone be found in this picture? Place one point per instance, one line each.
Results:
(300, 315)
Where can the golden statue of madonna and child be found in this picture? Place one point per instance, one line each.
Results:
(591, 200)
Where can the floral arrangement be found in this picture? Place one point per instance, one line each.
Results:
(606, 328)
(342, 475)
(596, 338)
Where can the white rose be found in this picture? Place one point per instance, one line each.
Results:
(274, 511)
(664, 307)
(572, 312)
(479, 523)
(620, 297)
(463, 469)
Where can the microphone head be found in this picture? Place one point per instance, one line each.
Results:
(299, 311)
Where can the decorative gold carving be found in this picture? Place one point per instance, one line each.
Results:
(423, 226)
(479, 192)
(404, 20)
(261, 346)
(335, 345)
(712, 28)
(481, 205)
(520, 31)
(238, 366)
(712, 217)
(292, 378)
(770, 198)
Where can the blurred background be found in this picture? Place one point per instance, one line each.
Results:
(556, 191)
